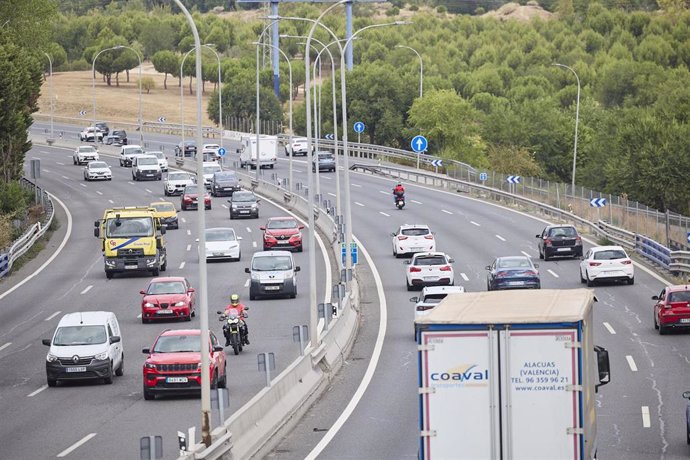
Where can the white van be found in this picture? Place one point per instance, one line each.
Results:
(86, 345)
(273, 273)
(268, 146)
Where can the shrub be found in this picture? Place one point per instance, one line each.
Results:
(393, 11)
(441, 9)
(13, 198)
(5, 231)
(147, 84)
(414, 8)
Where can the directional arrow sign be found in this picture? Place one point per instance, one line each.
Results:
(161, 119)
(221, 152)
(483, 176)
(82, 112)
(437, 163)
(597, 202)
(688, 237)
(419, 143)
(513, 179)
(358, 127)
(330, 137)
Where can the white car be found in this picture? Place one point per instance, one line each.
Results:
(606, 263)
(413, 238)
(176, 181)
(146, 167)
(222, 243)
(298, 146)
(162, 160)
(429, 269)
(91, 134)
(128, 152)
(430, 297)
(210, 167)
(211, 148)
(85, 153)
(95, 170)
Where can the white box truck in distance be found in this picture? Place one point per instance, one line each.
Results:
(509, 375)
(266, 158)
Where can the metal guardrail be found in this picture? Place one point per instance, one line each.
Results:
(656, 252)
(618, 235)
(680, 262)
(22, 244)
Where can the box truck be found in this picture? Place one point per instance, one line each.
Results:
(509, 375)
(266, 158)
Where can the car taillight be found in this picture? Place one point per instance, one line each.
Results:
(415, 269)
(594, 264)
(429, 237)
(547, 241)
(501, 274)
(530, 273)
(626, 262)
(402, 237)
(445, 268)
(424, 307)
(578, 240)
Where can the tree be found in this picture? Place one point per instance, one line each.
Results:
(147, 84)
(166, 62)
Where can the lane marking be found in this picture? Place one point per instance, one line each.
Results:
(65, 177)
(381, 191)
(182, 265)
(500, 237)
(646, 422)
(148, 190)
(474, 223)
(246, 283)
(325, 177)
(332, 194)
(76, 445)
(189, 232)
(88, 288)
(189, 247)
(130, 182)
(552, 273)
(416, 202)
(5, 346)
(139, 316)
(47, 170)
(355, 185)
(34, 393)
(526, 255)
(184, 221)
(359, 204)
(464, 277)
(253, 244)
(111, 201)
(99, 192)
(83, 185)
(61, 164)
(383, 213)
(608, 326)
(249, 230)
(297, 170)
(52, 316)
(631, 363)
(224, 206)
(447, 212)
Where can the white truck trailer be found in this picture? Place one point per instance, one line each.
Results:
(509, 375)
(264, 156)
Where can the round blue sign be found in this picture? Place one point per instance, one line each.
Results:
(358, 127)
(221, 151)
(419, 143)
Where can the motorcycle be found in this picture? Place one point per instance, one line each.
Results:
(400, 201)
(233, 328)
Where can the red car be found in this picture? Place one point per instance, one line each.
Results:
(167, 298)
(190, 198)
(173, 364)
(282, 233)
(672, 308)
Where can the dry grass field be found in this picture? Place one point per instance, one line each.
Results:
(73, 92)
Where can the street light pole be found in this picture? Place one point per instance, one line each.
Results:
(203, 283)
(421, 68)
(577, 122)
(141, 127)
(182, 99)
(50, 87)
(93, 83)
(220, 100)
(258, 113)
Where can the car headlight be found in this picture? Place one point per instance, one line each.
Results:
(101, 356)
(255, 276)
(149, 366)
(254, 205)
(148, 305)
(297, 235)
(51, 358)
(180, 304)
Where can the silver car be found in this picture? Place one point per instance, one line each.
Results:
(326, 161)
(97, 170)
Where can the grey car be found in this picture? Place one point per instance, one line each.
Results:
(244, 204)
(326, 161)
(224, 183)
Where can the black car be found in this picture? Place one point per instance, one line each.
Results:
(326, 161)
(224, 183)
(559, 240)
(117, 137)
(103, 126)
(514, 272)
(244, 203)
(189, 147)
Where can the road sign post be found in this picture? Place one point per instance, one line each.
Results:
(419, 144)
(359, 129)
(483, 177)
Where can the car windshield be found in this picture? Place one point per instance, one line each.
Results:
(430, 260)
(325, 156)
(147, 161)
(211, 169)
(434, 298)
(680, 296)
(225, 177)
(281, 224)
(178, 176)
(87, 149)
(211, 146)
(177, 344)
(136, 151)
(79, 335)
(243, 197)
(127, 227)
(97, 165)
(273, 263)
(563, 232)
(191, 189)
(158, 155)
(299, 140)
(163, 207)
(514, 263)
(220, 234)
(415, 231)
(610, 254)
(166, 287)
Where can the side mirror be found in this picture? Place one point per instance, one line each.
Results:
(246, 308)
(229, 201)
(451, 260)
(46, 342)
(414, 299)
(393, 234)
(686, 394)
(582, 257)
(219, 312)
(246, 270)
(163, 229)
(655, 297)
(301, 227)
(239, 238)
(407, 262)
(142, 292)
(97, 223)
(97, 232)
(115, 339)
(488, 267)
(191, 290)
(297, 268)
(218, 348)
(245, 315)
(603, 365)
(538, 236)
(536, 265)
(262, 227)
(146, 351)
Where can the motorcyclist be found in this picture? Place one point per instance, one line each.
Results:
(398, 192)
(241, 313)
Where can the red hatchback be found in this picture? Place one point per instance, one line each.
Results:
(169, 297)
(173, 364)
(282, 233)
(190, 198)
(672, 308)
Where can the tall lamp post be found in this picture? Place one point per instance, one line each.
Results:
(93, 81)
(141, 130)
(421, 68)
(577, 121)
(184, 58)
(220, 90)
(50, 86)
(258, 113)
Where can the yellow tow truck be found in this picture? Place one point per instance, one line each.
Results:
(131, 240)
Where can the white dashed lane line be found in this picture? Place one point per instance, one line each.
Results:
(384, 214)
(182, 265)
(552, 273)
(111, 202)
(99, 192)
(646, 422)
(325, 177)
(474, 223)
(385, 193)
(500, 237)
(416, 202)
(332, 194)
(359, 204)
(189, 232)
(65, 177)
(224, 206)
(631, 363)
(130, 182)
(83, 185)
(184, 220)
(253, 244)
(246, 283)
(61, 164)
(76, 445)
(526, 255)
(53, 315)
(46, 170)
(87, 289)
(34, 393)
(609, 328)
(447, 212)
(139, 316)
(464, 277)
(2, 347)
(249, 230)
(189, 247)
(149, 191)
(355, 185)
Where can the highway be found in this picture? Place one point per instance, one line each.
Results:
(640, 413)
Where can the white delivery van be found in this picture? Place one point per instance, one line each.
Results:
(273, 273)
(266, 156)
(85, 345)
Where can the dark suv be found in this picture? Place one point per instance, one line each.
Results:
(103, 126)
(559, 240)
(117, 137)
(189, 147)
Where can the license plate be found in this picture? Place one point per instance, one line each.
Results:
(218, 254)
(176, 380)
(416, 249)
(76, 369)
(563, 249)
(131, 267)
(164, 312)
(244, 212)
(271, 288)
(685, 320)
(430, 278)
(516, 283)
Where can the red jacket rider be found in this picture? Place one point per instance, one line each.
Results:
(398, 190)
(235, 304)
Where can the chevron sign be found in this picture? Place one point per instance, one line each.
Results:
(330, 137)
(161, 119)
(437, 163)
(513, 179)
(82, 112)
(597, 202)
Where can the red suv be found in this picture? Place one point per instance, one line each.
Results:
(672, 308)
(282, 233)
(173, 364)
(168, 297)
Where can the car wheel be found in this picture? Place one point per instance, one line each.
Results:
(148, 394)
(74, 161)
(108, 274)
(155, 272)
(183, 207)
(144, 320)
(541, 254)
(662, 329)
(223, 382)
(582, 280)
(546, 255)
(656, 324)
(52, 383)
(208, 207)
(108, 379)
(294, 292)
(590, 283)
(188, 317)
(300, 248)
(165, 192)
(214, 382)
(631, 280)
(409, 286)
(134, 177)
(120, 371)
(231, 216)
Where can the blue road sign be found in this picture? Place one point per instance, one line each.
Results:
(483, 176)
(358, 127)
(354, 253)
(419, 143)
(221, 151)
(597, 202)
(437, 163)
(688, 237)
(330, 137)
(513, 179)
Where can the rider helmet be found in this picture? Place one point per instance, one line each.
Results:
(235, 299)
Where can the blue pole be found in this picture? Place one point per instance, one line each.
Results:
(274, 51)
(348, 34)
